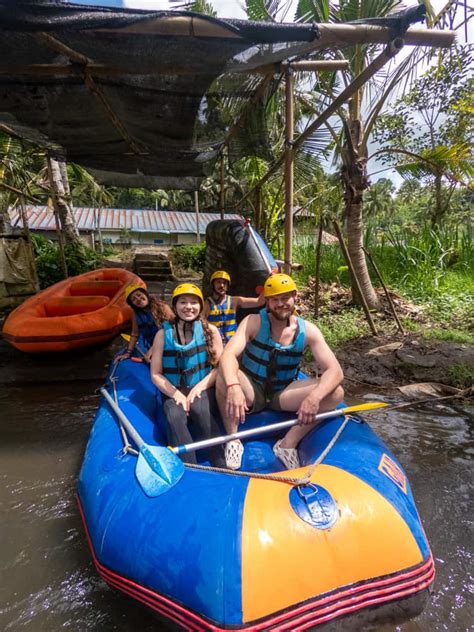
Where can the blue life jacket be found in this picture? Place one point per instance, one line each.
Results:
(270, 364)
(223, 316)
(185, 365)
(147, 328)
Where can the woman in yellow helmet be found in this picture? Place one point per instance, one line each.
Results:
(149, 314)
(221, 309)
(259, 369)
(184, 362)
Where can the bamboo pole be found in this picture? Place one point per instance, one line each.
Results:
(387, 294)
(354, 276)
(304, 66)
(331, 36)
(289, 168)
(390, 51)
(196, 208)
(318, 269)
(222, 188)
(19, 192)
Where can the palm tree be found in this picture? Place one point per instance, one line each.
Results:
(358, 118)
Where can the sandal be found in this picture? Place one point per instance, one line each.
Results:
(288, 456)
(233, 454)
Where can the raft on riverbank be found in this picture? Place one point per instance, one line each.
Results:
(78, 312)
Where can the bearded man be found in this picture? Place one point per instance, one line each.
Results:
(259, 369)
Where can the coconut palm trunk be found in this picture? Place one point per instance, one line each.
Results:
(355, 181)
(60, 200)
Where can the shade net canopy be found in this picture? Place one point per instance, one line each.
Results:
(133, 96)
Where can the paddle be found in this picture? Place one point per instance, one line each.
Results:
(157, 468)
(137, 347)
(207, 443)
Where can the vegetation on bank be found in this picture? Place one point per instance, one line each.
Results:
(431, 270)
(79, 259)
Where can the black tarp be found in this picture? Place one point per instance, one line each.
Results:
(127, 99)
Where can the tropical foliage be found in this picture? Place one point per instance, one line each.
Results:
(428, 133)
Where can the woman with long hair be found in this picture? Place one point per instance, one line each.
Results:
(149, 314)
(184, 362)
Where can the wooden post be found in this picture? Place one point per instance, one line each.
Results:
(389, 299)
(31, 255)
(318, 268)
(289, 157)
(222, 190)
(99, 231)
(356, 280)
(196, 207)
(258, 207)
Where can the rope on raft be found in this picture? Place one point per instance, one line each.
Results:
(304, 480)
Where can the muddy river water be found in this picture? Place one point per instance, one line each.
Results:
(47, 579)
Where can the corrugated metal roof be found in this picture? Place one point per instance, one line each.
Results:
(135, 220)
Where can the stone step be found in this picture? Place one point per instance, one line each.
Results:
(152, 262)
(153, 270)
(144, 256)
(161, 278)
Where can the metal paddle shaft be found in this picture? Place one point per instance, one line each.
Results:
(198, 445)
(158, 468)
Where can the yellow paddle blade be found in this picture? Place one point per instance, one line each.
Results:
(126, 337)
(360, 407)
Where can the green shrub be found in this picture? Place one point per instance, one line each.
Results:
(79, 259)
(191, 257)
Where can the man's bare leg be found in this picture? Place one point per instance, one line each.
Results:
(232, 425)
(292, 398)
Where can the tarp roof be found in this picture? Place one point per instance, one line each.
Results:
(125, 93)
(121, 91)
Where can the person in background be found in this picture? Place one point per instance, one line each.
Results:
(184, 362)
(220, 309)
(259, 369)
(149, 314)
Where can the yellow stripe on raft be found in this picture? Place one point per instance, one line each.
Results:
(286, 561)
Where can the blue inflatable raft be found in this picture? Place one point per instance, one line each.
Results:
(262, 549)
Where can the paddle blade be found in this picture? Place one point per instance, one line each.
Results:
(126, 337)
(158, 469)
(363, 407)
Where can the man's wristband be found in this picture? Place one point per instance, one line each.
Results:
(234, 384)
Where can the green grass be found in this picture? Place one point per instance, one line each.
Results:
(449, 335)
(461, 375)
(343, 327)
(430, 268)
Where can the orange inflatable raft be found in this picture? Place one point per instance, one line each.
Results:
(81, 311)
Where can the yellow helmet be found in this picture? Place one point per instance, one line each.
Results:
(187, 288)
(278, 284)
(220, 274)
(130, 289)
